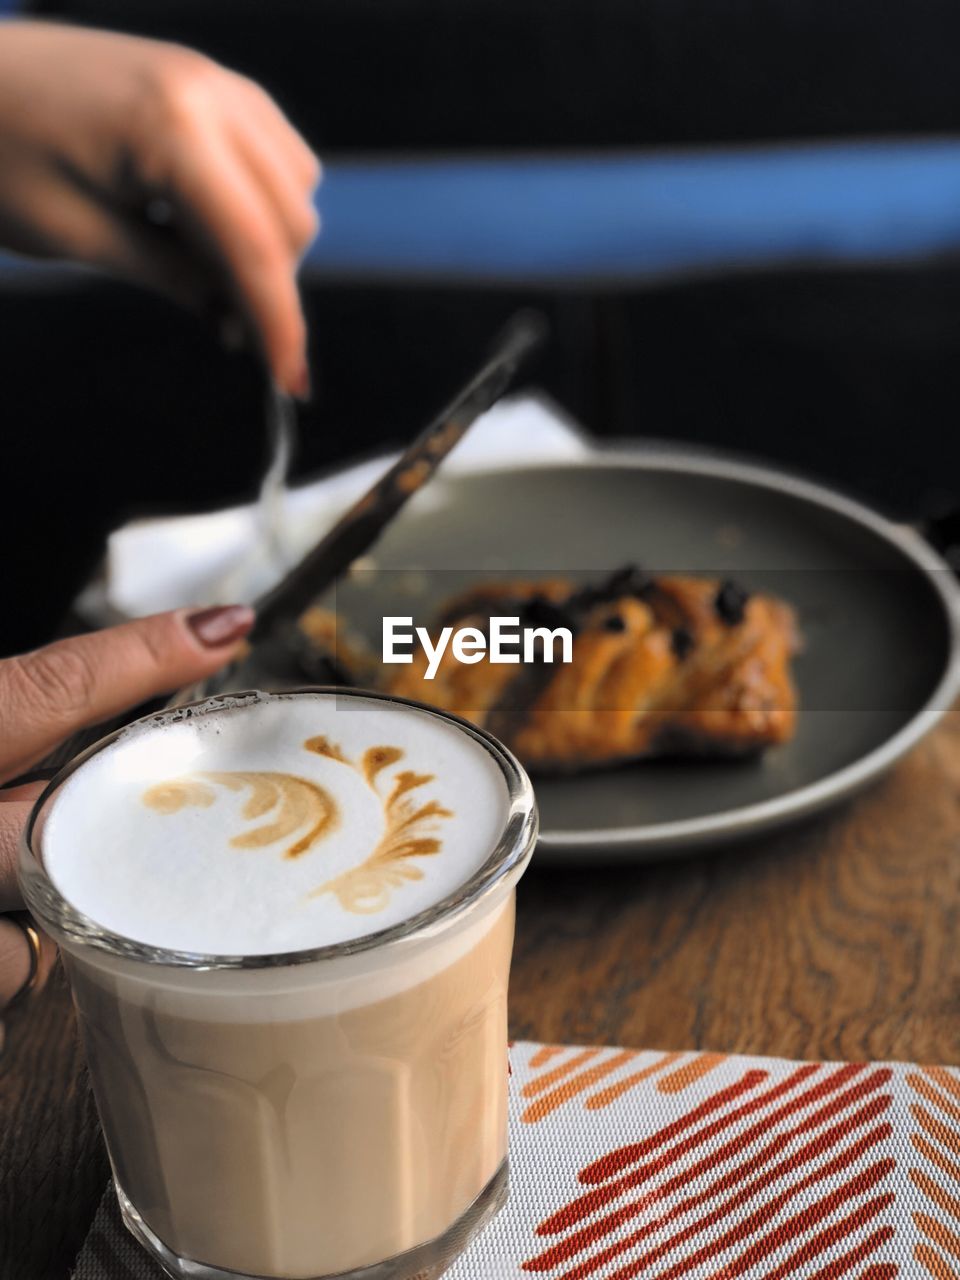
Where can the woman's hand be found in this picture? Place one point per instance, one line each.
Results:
(151, 161)
(47, 695)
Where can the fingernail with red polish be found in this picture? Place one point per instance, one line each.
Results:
(225, 624)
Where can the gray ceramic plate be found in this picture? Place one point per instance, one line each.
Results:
(878, 611)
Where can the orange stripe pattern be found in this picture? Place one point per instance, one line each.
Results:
(692, 1067)
(748, 1171)
(936, 1177)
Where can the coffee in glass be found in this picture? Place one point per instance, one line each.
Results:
(287, 921)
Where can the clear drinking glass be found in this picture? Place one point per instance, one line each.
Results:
(315, 1113)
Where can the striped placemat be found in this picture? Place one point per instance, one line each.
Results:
(665, 1165)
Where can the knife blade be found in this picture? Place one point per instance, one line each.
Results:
(360, 526)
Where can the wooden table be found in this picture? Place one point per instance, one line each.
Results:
(837, 940)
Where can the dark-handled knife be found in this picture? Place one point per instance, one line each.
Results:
(357, 529)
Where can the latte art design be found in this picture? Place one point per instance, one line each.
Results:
(410, 830)
(366, 889)
(289, 803)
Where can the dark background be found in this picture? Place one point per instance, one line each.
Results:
(114, 403)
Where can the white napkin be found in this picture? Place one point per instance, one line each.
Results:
(221, 558)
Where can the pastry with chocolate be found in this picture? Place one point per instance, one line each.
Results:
(661, 666)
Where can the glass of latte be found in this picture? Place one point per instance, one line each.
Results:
(287, 922)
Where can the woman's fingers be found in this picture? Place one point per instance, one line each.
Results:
(116, 121)
(289, 144)
(279, 181)
(15, 806)
(239, 224)
(238, 180)
(16, 961)
(15, 949)
(50, 693)
(72, 222)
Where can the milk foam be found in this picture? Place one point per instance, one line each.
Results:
(274, 823)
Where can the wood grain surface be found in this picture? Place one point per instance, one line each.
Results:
(837, 940)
